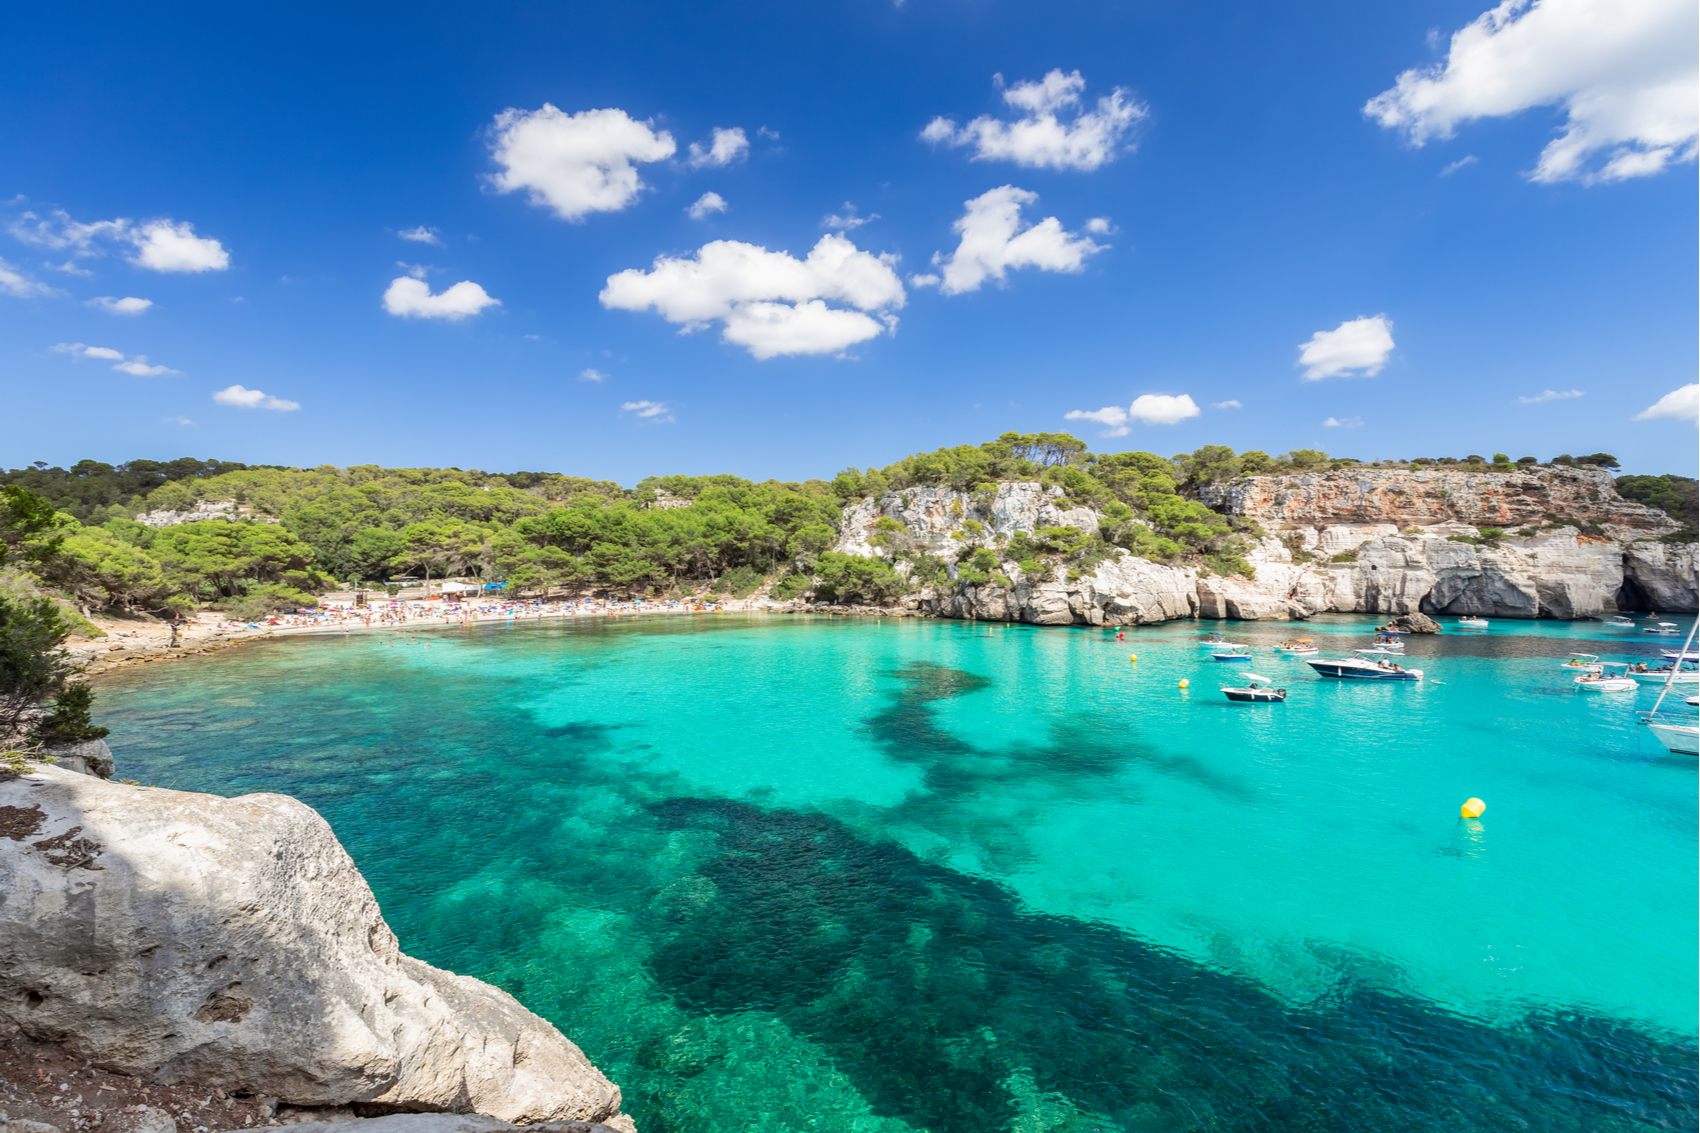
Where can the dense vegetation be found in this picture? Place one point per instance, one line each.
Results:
(307, 530)
(1676, 496)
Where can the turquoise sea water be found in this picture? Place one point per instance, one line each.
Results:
(806, 874)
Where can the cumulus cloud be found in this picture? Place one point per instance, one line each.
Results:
(1624, 72)
(1551, 395)
(575, 164)
(244, 398)
(1453, 167)
(649, 410)
(706, 205)
(409, 297)
(770, 303)
(138, 366)
(1147, 408)
(78, 350)
(421, 235)
(164, 246)
(20, 286)
(1162, 409)
(592, 376)
(1112, 417)
(1356, 347)
(848, 222)
(1229, 404)
(1677, 405)
(994, 240)
(1040, 139)
(159, 245)
(1343, 423)
(727, 148)
(129, 305)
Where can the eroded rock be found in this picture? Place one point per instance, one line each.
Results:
(233, 943)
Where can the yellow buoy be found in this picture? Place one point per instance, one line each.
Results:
(1472, 808)
(1183, 684)
(1133, 656)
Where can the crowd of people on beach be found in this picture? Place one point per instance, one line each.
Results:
(344, 616)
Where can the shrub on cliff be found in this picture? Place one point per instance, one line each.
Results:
(69, 722)
(1676, 496)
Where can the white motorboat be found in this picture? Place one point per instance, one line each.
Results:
(1662, 627)
(1603, 680)
(1298, 647)
(1360, 669)
(1379, 651)
(1682, 655)
(1680, 736)
(1231, 652)
(1621, 622)
(1474, 623)
(1211, 639)
(1256, 690)
(1389, 641)
(1586, 662)
(1664, 674)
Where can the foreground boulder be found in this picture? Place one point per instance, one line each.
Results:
(233, 943)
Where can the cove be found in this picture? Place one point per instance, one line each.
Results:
(855, 875)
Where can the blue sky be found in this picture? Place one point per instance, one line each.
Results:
(1494, 253)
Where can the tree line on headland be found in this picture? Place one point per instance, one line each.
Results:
(310, 529)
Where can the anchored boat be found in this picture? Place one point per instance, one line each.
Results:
(1256, 690)
(1359, 669)
(1601, 680)
(1586, 662)
(1680, 736)
(1478, 623)
(1298, 647)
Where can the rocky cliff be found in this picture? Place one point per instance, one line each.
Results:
(233, 943)
(1580, 497)
(1377, 541)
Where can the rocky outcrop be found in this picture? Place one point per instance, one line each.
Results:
(1554, 494)
(1660, 576)
(1122, 590)
(233, 943)
(204, 509)
(932, 517)
(91, 757)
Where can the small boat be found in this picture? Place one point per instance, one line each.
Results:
(1621, 622)
(1231, 652)
(1389, 641)
(1587, 662)
(1680, 654)
(1215, 639)
(1663, 674)
(1358, 669)
(1680, 736)
(1473, 623)
(1390, 629)
(1297, 647)
(1602, 681)
(1662, 627)
(1256, 690)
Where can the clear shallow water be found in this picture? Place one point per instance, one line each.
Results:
(917, 875)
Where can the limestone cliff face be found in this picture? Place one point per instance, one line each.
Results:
(1404, 499)
(233, 943)
(930, 516)
(1405, 545)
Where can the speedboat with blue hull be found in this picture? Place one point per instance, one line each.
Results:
(1359, 669)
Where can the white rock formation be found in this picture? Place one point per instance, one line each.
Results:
(228, 510)
(1123, 590)
(233, 943)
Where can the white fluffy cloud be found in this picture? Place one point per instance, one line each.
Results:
(78, 350)
(770, 303)
(575, 164)
(1343, 423)
(1039, 139)
(706, 205)
(649, 410)
(138, 366)
(421, 235)
(1677, 405)
(1147, 408)
(1551, 395)
(1229, 404)
(1624, 71)
(727, 148)
(129, 305)
(160, 245)
(244, 398)
(164, 246)
(995, 240)
(592, 376)
(20, 286)
(1358, 347)
(849, 221)
(1112, 417)
(410, 298)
